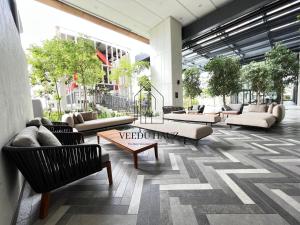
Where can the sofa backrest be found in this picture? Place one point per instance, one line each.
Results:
(257, 108)
(169, 109)
(89, 116)
(236, 107)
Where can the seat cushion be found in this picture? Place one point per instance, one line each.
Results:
(253, 119)
(27, 138)
(209, 118)
(188, 130)
(102, 123)
(46, 137)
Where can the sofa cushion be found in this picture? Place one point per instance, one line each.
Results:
(257, 108)
(79, 118)
(46, 121)
(101, 123)
(46, 137)
(35, 122)
(236, 107)
(27, 138)
(254, 119)
(195, 107)
(279, 112)
(271, 106)
(76, 121)
(94, 115)
(68, 118)
(87, 116)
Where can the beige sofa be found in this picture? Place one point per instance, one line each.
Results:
(90, 121)
(190, 131)
(200, 118)
(258, 116)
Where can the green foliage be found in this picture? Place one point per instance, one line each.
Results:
(191, 83)
(48, 65)
(126, 69)
(82, 60)
(225, 76)
(144, 82)
(284, 67)
(258, 75)
(54, 116)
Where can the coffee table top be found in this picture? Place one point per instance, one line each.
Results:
(127, 140)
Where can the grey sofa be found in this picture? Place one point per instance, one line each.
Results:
(258, 116)
(187, 131)
(90, 121)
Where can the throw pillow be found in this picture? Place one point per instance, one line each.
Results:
(279, 112)
(27, 138)
(34, 122)
(87, 116)
(80, 118)
(46, 137)
(75, 119)
(46, 121)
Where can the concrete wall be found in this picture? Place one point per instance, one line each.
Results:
(166, 60)
(15, 107)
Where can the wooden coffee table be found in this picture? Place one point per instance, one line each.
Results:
(133, 146)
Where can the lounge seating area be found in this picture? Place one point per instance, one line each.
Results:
(140, 112)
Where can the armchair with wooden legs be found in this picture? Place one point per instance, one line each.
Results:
(47, 168)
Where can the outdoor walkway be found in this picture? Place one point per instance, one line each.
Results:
(234, 177)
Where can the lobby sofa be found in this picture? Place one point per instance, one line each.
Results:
(258, 116)
(86, 121)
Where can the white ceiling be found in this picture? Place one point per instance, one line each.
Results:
(139, 16)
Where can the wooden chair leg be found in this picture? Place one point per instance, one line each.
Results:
(44, 205)
(109, 173)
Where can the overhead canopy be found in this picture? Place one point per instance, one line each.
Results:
(248, 36)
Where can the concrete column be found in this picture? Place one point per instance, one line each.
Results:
(166, 61)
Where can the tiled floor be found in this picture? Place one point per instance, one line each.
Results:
(236, 176)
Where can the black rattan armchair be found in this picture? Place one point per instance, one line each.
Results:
(47, 168)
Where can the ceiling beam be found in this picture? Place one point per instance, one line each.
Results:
(94, 19)
(220, 16)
